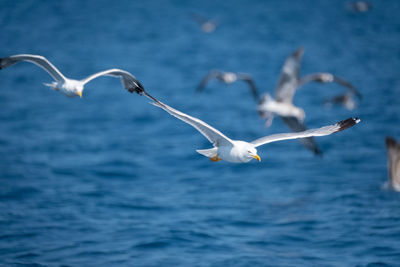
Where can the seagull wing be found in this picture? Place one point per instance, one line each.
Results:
(129, 81)
(289, 77)
(393, 151)
(347, 84)
(324, 77)
(297, 126)
(249, 80)
(326, 130)
(35, 59)
(213, 135)
(210, 75)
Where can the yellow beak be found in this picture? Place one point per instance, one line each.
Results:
(257, 157)
(80, 94)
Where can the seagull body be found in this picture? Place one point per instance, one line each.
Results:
(345, 100)
(71, 87)
(393, 151)
(238, 151)
(269, 106)
(228, 78)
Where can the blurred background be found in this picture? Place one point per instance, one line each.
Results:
(109, 180)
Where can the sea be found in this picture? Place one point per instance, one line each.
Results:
(111, 180)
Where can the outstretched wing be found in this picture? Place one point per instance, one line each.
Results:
(289, 77)
(213, 135)
(249, 80)
(212, 74)
(324, 77)
(129, 81)
(35, 59)
(296, 126)
(326, 130)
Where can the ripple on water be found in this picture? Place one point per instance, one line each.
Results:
(18, 193)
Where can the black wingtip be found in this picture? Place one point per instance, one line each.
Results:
(347, 123)
(318, 152)
(390, 141)
(298, 53)
(1, 63)
(136, 87)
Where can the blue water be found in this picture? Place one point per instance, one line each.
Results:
(109, 180)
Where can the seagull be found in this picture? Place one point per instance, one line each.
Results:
(206, 25)
(283, 105)
(393, 152)
(360, 6)
(71, 87)
(228, 78)
(237, 151)
(345, 99)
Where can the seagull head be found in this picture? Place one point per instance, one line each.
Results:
(78, 90)
(252, 153)
(71, 87)
(266, 99)
(240, 152)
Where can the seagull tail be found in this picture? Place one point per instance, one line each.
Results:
(211, 152)
(52, 85)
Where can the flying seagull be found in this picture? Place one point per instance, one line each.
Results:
(345, 99)
(228, 78)
(71, 87)
(283, 106)
(206, 25)
(393, 152)
(360, 6)
(237, 151)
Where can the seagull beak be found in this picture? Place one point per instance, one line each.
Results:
(257, 157)
(80, 94)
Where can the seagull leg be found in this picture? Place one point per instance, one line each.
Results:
(215, 158)
(52, 86)
(269, 117)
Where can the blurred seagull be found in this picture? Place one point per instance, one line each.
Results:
(393, 152)
(206, 25)
(345, 99)
(237, 151)
(71, 87)
(360, 6)
(283, 105)
(228, 78)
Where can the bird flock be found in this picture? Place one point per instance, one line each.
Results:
(224, 148)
